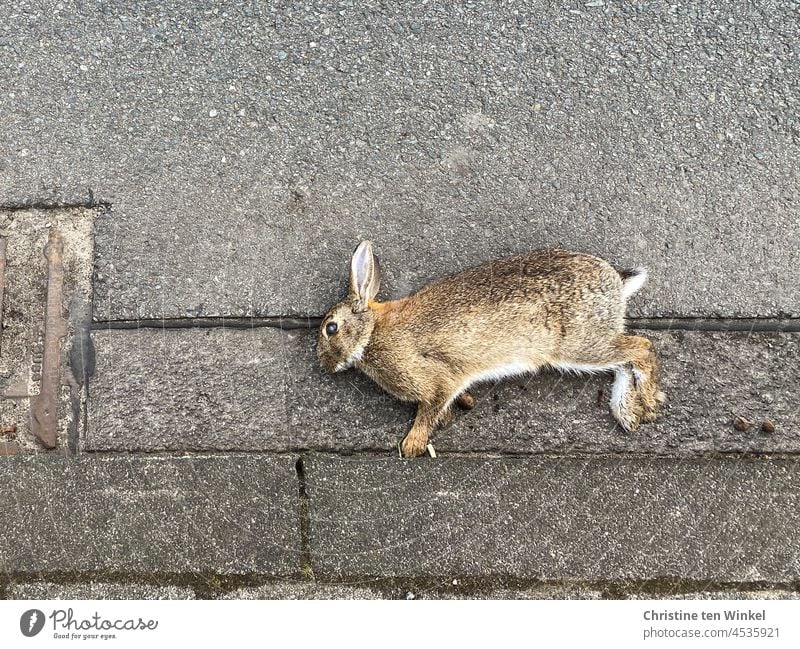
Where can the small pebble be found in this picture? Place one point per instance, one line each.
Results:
(410, 595)
(213, 113)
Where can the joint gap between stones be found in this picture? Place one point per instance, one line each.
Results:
(91, 203)
(276, 322)
(286, 322)
(305, 521)
(747, 325)
(213, 585)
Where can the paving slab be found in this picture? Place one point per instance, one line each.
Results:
(556, 518)
(245, 150)
(262, 389)
(96, 590)
(231, 514)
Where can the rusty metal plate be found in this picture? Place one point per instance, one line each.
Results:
(46, 261)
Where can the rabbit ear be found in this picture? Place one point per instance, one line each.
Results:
(365, 276)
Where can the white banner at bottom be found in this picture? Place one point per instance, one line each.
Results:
(154, 624)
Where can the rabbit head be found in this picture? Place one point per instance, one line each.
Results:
(347, 327)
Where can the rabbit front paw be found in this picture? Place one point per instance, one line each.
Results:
(414, 445)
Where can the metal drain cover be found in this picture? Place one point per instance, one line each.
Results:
(46, 261)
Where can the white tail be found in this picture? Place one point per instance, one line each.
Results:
(632, 280)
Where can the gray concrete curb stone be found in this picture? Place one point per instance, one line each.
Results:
(556, 518)
(262, 389)
(123, 514)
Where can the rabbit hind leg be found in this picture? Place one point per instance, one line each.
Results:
(639, 355)
(625, 403)
(465, 401)
(635, 396)
(626, 406)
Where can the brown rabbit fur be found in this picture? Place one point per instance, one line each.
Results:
(504, 318)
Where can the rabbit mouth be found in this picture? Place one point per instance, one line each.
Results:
(351, 360)
(328, 364)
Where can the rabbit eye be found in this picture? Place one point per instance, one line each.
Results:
(331, 328)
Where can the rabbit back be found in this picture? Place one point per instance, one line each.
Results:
(503, 318)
